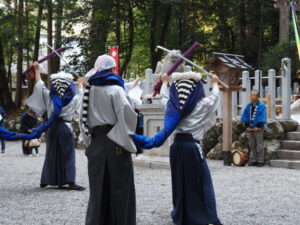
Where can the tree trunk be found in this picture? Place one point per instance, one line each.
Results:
(100, 27)
(164, 30)
(118, 23)
(127, 58)
(118, 34)
(50, 36)
(36, 42)
(27, 46)
(180, 32)
(156, 55)
(18, 98)
(11, 49)
(242, 20)
(27, 34)
(58, 37)
(9, 75)
(5, 97)
(38, 30)
(153, 28)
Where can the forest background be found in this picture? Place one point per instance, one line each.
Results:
(246, 27)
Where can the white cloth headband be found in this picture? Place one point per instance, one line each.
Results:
(103, 62)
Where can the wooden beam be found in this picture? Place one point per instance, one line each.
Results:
(286, 3)
(233, 88)
(267, 101)
(227, 127)
(284, 17)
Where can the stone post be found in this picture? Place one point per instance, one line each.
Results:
(295, 88)
(286, 88)
(258, 81)
(279, 92)
(149, 81)
(247, 85)
(272, 91)
(154, 122)
(266, 91)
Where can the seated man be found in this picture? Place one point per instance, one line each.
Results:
(28, 121)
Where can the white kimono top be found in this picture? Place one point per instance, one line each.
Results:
(40, 102)
(110, 105)
(202, 118)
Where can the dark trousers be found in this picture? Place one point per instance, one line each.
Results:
(256, 145)
(34, 148)
(2, 140)
(193, 192)
(59, 165)
(25, 148)
(112, 191)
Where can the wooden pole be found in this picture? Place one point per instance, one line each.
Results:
(227, 127)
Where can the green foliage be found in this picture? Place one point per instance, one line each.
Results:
(272, 58)
(243, 27)
(233, 26)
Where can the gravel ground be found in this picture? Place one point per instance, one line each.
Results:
(245, 196)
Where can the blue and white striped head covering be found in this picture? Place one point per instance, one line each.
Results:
(62, 92)
(185, 92)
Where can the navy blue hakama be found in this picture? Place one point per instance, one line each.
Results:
(59, 166)
(193, 192)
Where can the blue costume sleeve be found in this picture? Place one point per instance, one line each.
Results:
(172, 119)
(246, 114)
(8, 135)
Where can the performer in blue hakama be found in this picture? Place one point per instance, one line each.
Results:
(60, 103)
(189, 114)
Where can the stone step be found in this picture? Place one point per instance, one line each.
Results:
(289, 154)
(290, 145)
(289, 164)
(293, 136)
